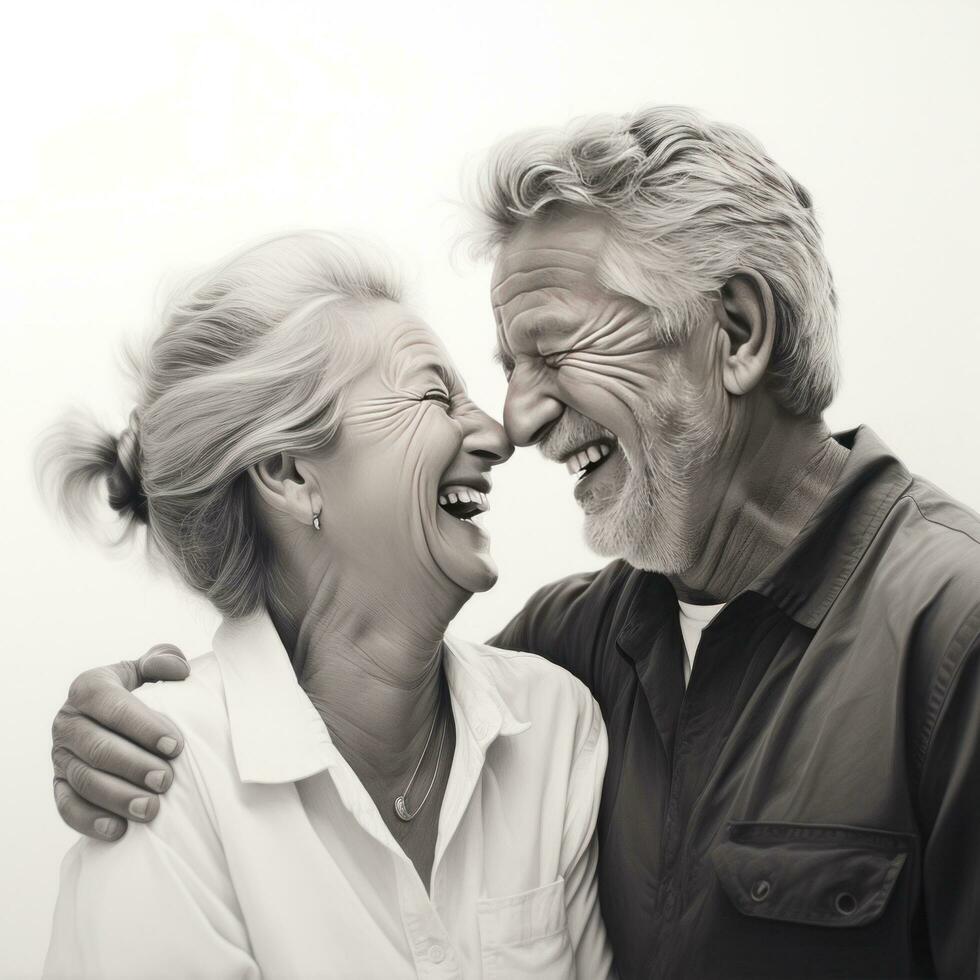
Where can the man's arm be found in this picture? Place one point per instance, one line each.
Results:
(949, 799)
(110, 749)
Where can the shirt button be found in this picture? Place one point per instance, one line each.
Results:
(482, 730)
(437, 954)
(760, 890)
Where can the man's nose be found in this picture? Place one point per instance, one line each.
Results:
(529, 412)
(486, 438)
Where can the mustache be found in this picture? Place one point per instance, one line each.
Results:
(570, 432)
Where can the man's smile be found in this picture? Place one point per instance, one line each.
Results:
(588, 457)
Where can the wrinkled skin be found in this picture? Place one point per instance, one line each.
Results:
(403, 431)
(590, 364)
(710, 477)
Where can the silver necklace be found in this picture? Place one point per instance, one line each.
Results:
(401, 809)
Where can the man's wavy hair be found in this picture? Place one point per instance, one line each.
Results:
(689, 202)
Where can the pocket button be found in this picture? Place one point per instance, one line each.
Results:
(760, 890)
(846, 903)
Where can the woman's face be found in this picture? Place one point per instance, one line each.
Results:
(408, 477)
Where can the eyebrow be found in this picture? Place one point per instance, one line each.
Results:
(445, 374)
(547, 325)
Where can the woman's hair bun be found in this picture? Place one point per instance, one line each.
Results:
(78, 454)
(124, 481)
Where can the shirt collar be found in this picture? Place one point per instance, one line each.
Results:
(278, 735)
(807, 578)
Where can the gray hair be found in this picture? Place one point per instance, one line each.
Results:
(254, 358)
(689, 202)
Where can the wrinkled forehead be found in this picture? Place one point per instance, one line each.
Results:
(409, 351)
(548, 264)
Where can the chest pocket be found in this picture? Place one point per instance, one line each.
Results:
(526, 935)
(810, 874)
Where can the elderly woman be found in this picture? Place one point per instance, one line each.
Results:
(359, 794)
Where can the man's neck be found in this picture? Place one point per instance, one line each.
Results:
(775, 480)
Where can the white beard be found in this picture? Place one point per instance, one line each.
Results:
(649, 521)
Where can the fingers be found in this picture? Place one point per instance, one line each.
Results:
(85, 818)
(102, 749)
(164, 662)
(103, 694)
(105, 791)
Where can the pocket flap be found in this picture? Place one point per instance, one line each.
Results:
(809, 873)
(523, 918)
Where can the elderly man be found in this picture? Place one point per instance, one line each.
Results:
(786, 648)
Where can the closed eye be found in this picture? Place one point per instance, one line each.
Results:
(554, 360)
(435, 395)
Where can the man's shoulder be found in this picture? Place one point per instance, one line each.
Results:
(927, 588)
(933, 551)
(950, 528)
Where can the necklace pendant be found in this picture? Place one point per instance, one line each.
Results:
(401, 811)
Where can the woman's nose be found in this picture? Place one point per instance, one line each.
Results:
(487, 439)
(529, 412)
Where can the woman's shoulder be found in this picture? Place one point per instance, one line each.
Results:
(532, 687)
(196, 705)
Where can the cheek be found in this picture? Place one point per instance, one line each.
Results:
(387, 463)
(426, 455)
(605, 394)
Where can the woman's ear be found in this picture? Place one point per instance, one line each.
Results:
(289, 487)
(747, 318)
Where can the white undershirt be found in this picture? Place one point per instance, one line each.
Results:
(694, 619)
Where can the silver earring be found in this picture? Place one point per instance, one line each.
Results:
(316, 520)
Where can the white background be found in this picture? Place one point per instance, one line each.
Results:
(142, 140)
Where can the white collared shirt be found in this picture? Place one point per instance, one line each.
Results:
(269, 858)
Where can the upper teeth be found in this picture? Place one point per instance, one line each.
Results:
(590, 454)
(466, 495)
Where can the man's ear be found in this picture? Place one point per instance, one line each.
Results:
(747, 317)
(288, 486)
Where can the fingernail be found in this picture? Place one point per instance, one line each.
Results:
(156, 779)
(167, 744)
(107, 827)
(138, 807)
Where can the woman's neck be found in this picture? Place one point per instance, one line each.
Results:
(372, 666)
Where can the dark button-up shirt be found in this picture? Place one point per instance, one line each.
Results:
(810, 805)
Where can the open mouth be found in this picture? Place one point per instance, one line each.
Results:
(588, 458)
(463, 502)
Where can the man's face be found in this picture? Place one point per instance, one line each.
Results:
(635, 419)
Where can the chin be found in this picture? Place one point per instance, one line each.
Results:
(479, 580)
(651, 539)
